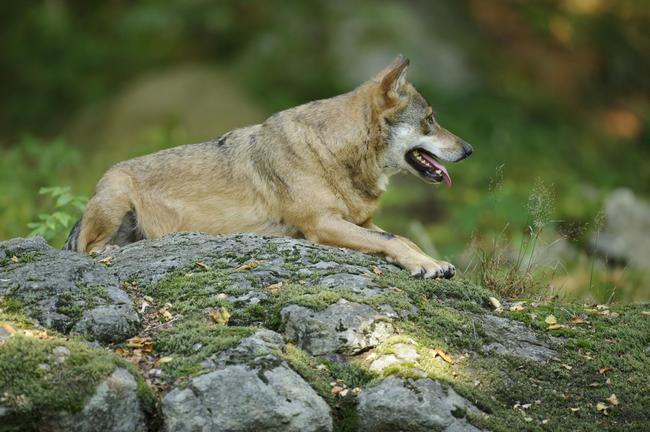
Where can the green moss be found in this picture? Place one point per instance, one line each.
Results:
(11, 305)
(20, 257)
(459, 293)
(191, 289)
(74, 303)
(497, 383)
(192, 341)
(35, 385)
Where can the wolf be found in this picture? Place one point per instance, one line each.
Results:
(315, 171)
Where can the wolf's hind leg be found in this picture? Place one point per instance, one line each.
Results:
(105, 212)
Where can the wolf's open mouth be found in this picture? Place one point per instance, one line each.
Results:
(428, 166)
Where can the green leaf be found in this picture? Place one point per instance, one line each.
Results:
(63, 218)
(51, 224)
(64, 199)
(80, 205)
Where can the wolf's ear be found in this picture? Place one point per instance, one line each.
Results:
(393, 77)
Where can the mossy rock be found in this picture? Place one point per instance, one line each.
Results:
(516, 367)
(48, 382)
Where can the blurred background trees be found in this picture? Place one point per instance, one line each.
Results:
(554, 95)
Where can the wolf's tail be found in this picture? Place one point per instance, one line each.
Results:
(71, 242)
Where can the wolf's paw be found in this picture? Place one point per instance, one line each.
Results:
(434, 269)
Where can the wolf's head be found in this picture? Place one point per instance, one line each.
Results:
(414, 140)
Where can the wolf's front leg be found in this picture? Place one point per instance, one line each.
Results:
(336, 231)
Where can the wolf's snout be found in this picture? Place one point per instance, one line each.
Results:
(467, 149)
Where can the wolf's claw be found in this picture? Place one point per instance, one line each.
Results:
(434, 269)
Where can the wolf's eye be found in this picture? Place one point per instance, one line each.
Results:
(429, 123)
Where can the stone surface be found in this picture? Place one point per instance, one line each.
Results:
(343, 327)
(382, 362)
(251, 389)
(149, 261)
(114, 407)
(212, 379)
(398, 404)
(514, 339)
(66, 291)
(624, 238)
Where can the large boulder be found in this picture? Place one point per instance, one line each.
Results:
(48, 383)
(65, 291)
(512, 338)
(252, 390)
(343, 327)
(243, 332)
(420, 405)
(624, 237)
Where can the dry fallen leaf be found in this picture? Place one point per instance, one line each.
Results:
(495, 303)
(376, 270)
(8, 328)
(274, 288)
(556, 326)
(167, 316)
(337, 389)
(443, 355)
(163, 360)
(518, 306)
(613, 400)
(550, 319)
(220, 316)
(14, 259)
(574, 409)
(579, 320)
(248, 265)
(600, 406)
(106, 260)
(135, 342)
(202, 265)
(140, 344)
(604, 370)
(645, 312)
(566, 366)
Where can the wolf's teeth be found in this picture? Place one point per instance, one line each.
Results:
(438, 171)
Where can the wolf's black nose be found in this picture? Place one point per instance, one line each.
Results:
(467, 148)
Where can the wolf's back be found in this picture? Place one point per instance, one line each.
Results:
(71, 242)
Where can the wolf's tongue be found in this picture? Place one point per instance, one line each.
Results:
(438, 165)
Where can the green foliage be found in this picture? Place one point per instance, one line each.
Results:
(67, 208)
(25, 167)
